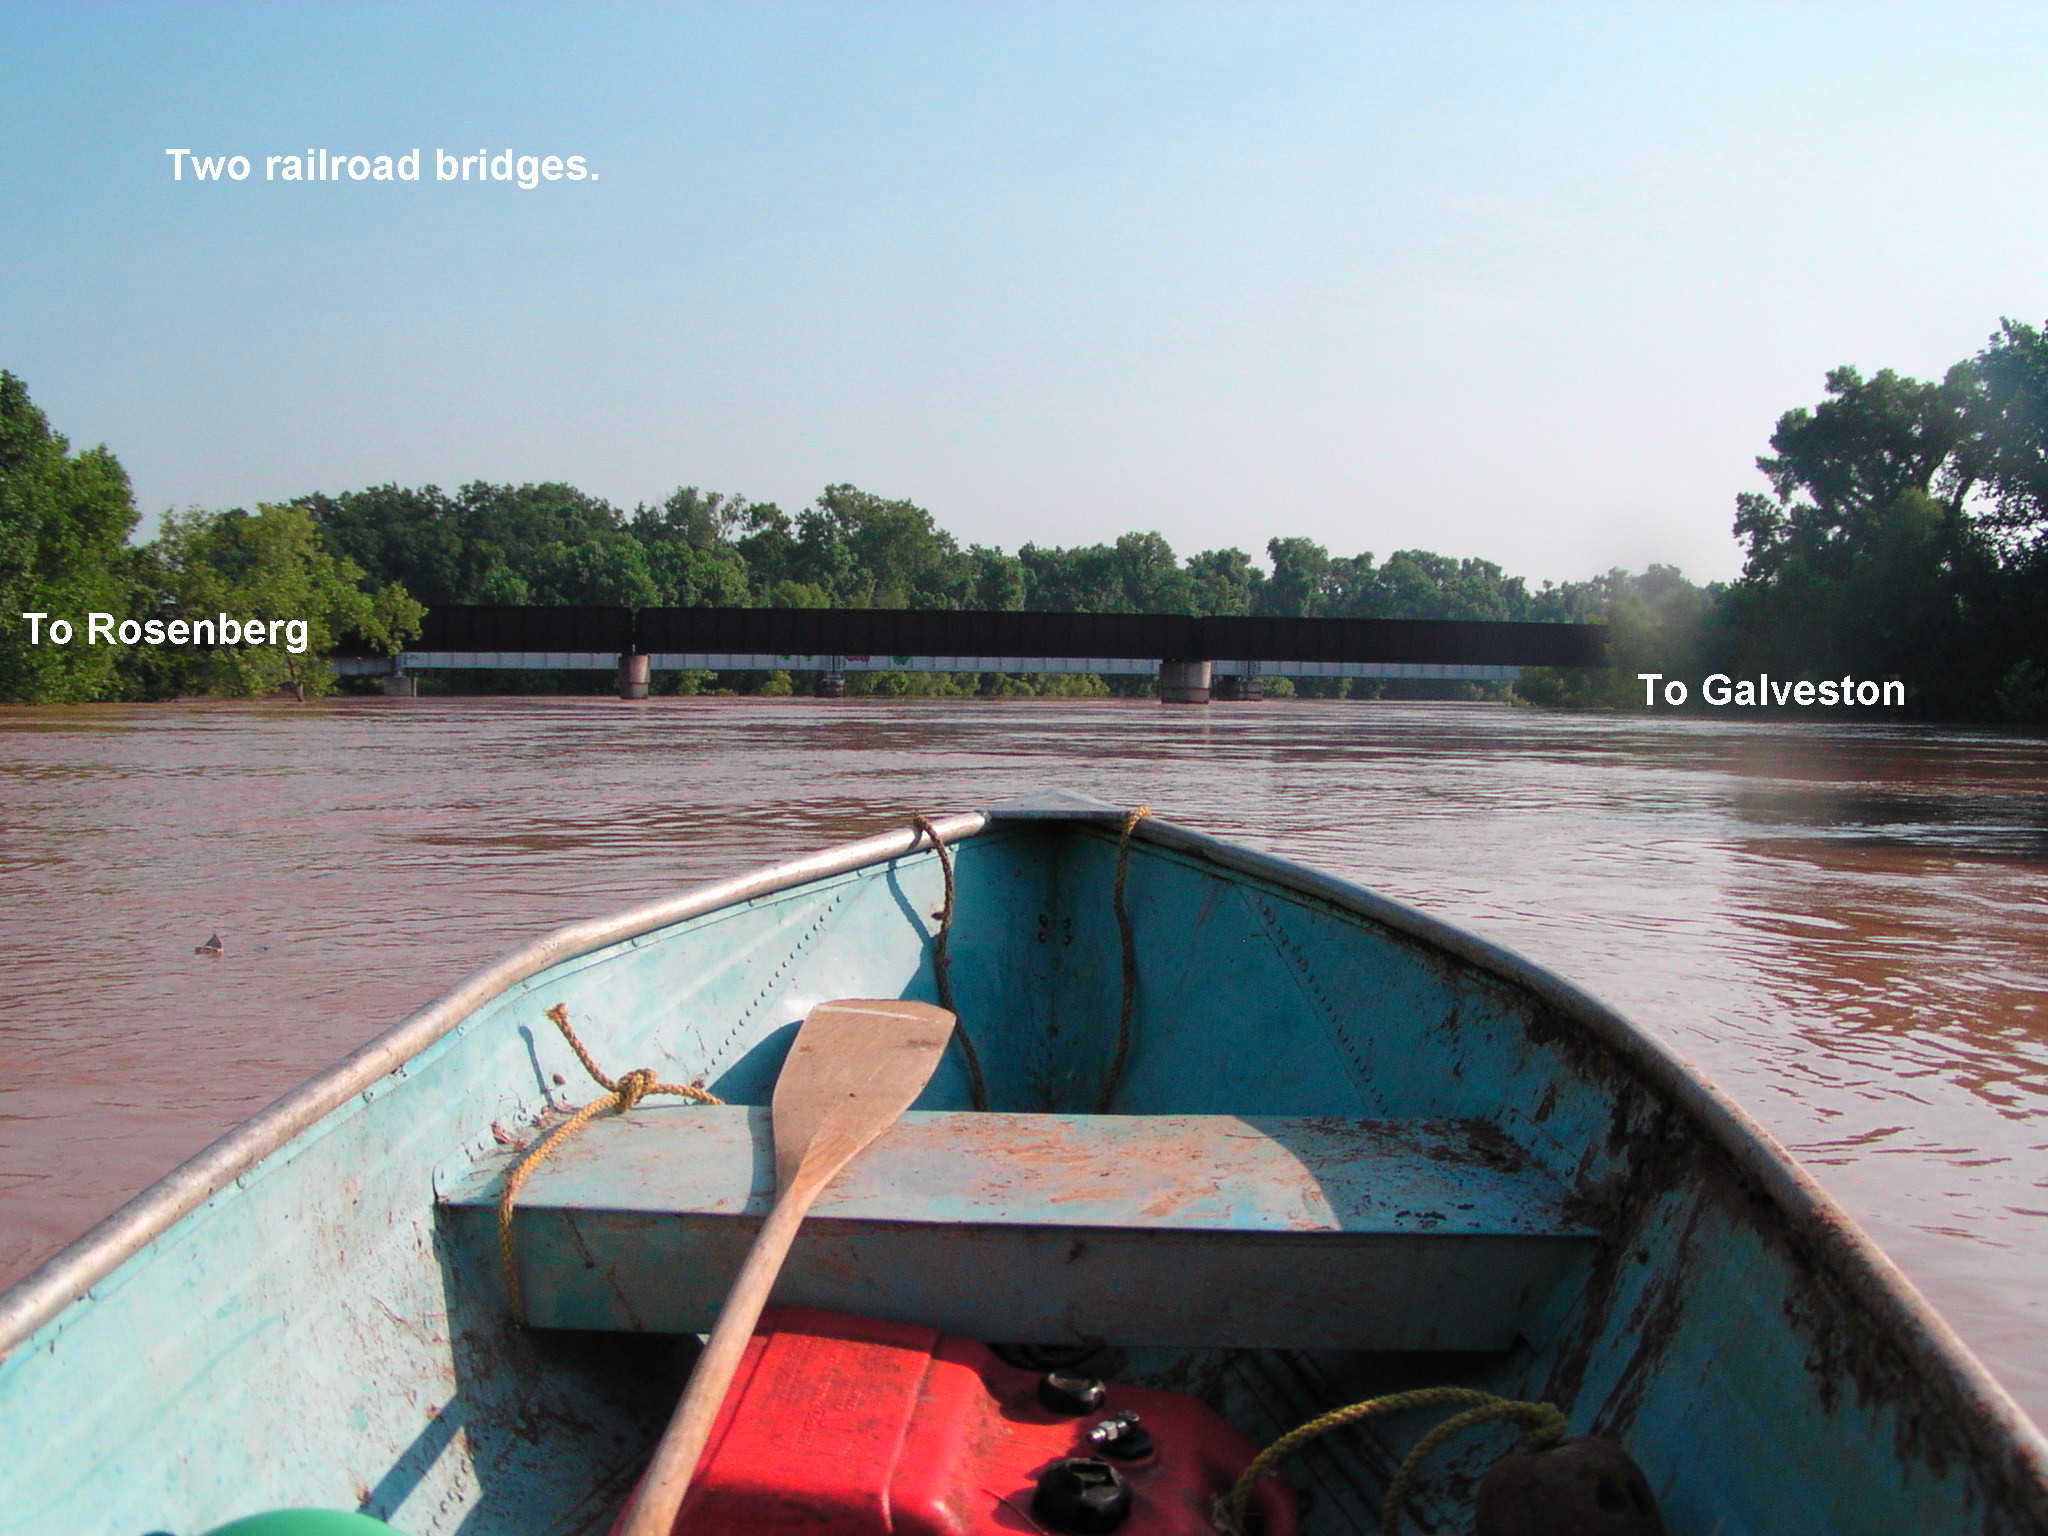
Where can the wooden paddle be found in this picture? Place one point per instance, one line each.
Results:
(855, 1067)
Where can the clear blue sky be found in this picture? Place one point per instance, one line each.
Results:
(1529, 282)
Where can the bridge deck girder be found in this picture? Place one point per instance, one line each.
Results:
(730, 661)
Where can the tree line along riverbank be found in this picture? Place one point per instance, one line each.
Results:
(1903, 536)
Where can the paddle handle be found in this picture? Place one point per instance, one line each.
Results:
(682, 1445)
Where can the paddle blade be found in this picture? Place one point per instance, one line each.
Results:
(857, 1064)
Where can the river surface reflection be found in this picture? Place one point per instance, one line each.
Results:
(1846, 926)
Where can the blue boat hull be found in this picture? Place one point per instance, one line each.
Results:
(312, 1312)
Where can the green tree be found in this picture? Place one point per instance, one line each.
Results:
(1301, 567)
(1419, 584)
(2008, 602)
(1139, 573)
(689, 549)
(686, 576)
(999, 581)
(2009, 416)
(417, 538)
(767, 544)
(1151, 576)
(1224, 582)
(796, 594)
(500, 584)
(1082, 580)
(1838, 468)
(1656, 622)
(64, 524)
(870, 552)
(607, 569)
(2023, 693)
(1351, 588)
(447, 549)
(1872, 554)
(700, 519)
(266, 565)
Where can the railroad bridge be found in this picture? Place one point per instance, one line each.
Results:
(1192, 657)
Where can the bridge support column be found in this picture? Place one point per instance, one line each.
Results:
(634, 667)
(400, 685)
(1184, 682)
(1248, 687)
(831, 685)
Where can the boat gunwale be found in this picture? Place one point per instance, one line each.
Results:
(1854, 1258)
(43, 1294)
(1872, 1277)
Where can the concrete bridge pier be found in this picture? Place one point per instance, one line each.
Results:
(400, 685)
(1248, 687)
(831, 685)
(634, 669)
(1184, 682)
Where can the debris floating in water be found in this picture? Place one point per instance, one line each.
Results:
(210, 947)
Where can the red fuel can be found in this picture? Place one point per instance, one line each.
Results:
(846, 1424)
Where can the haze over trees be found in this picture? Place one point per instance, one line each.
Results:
(1904, 533)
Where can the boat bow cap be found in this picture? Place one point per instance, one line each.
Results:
(1058, 805)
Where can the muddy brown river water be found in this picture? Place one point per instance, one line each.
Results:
(1846, 926)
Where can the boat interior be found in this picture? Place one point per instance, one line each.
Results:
(1220, 1127)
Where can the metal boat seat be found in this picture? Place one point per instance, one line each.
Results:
(1177, 1230)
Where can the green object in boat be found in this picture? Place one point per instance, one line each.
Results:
(304, 1522)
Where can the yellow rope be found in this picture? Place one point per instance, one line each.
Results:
(1130, 951)
(942, 965)
(1545, 1421)
(622, 1093)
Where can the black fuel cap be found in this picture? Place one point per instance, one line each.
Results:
(1064, 1392)
(1083, 1495)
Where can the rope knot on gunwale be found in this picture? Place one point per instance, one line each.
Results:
(621, 1093)
(634, 1087)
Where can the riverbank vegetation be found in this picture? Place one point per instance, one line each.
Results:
(1904, 534)
(67, 570)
